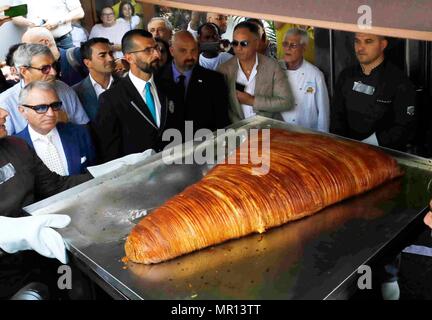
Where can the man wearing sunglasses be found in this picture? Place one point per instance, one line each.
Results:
(70, 68)
(134, 113)
(257, 84)
(35, 62)
(65, 148)
(24, 179)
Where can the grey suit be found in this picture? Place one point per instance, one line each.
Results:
(272, 91)
(87, 95)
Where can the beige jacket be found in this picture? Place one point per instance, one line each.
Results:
(272, 91)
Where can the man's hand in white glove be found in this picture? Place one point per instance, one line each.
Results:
(34, 233)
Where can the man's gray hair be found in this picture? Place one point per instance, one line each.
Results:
(40, 85)
(304, 37)
(25, 53)
(165, 20)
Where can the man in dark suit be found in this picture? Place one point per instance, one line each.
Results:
(24, 179)
(98, 58)
(134, 114)
(65, 148)
(201, 93)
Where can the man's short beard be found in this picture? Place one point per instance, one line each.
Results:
(149, 68)
(189, 66)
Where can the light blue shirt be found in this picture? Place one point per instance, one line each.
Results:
(177, 74)
(15, 122)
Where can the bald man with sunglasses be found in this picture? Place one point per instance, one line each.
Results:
(257, 84)
(35, 62)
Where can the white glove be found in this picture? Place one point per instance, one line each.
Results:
(100, 170)
(34, 233)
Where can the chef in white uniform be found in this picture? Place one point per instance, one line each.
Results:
(311, 108)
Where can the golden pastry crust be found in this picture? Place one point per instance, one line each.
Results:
(308, 172)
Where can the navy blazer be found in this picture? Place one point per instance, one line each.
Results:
(77, 145)
(87, 95)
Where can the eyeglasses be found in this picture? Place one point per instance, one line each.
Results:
(149, 50)
(43, 108)
(291, 45)
(46, 69)
(243, 43)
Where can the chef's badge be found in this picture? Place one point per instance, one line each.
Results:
(411, 110)
(171, 106)
(310, 87)
(7, 172)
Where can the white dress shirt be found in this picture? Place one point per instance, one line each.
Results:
(311, 106)
(98, 88)
(40, 145)
(140, 86)
(250, 86)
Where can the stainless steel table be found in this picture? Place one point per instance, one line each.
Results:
(313, 258)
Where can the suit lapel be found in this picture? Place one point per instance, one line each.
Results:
(71, 150)
(136, 101)
(260, 76)
(164, 108)
(90, 90)
(27, 138)
(232, 87)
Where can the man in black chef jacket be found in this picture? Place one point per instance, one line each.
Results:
(24, 179)
(374, 101)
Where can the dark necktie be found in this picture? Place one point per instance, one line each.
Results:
(181, 85)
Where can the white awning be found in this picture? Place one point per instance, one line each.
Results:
(410, 19)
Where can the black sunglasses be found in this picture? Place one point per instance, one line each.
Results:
(43, 108)
(243, 43)
(45, 69)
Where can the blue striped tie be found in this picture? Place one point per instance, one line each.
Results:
(150, 100)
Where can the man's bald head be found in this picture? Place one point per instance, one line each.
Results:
(40, 35)
(182, 37)
(184, 50)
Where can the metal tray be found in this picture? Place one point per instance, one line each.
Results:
(308, 259)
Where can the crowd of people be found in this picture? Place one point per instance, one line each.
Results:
(68, 106)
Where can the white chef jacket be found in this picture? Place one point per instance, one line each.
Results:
(311, 101)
